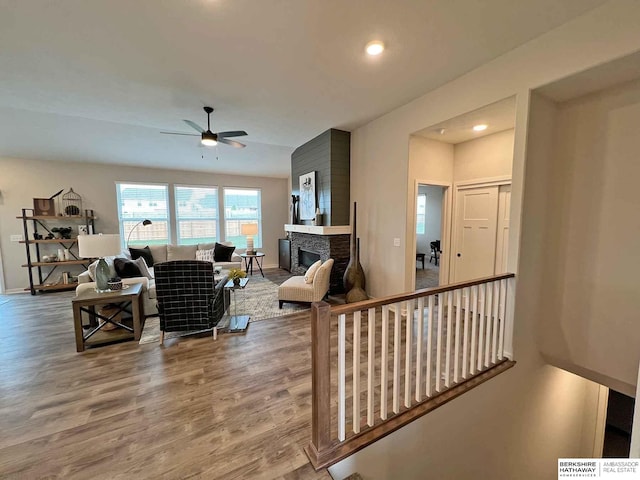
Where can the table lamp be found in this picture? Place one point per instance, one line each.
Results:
(99, 246)
(249, 229)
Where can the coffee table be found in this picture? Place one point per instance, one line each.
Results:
(126, 301)
(235, 323)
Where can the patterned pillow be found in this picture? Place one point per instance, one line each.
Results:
(205, 255)
(311, 273)
(142, 265)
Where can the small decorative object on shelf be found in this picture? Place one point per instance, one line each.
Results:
(71, 203)
(62, 232)
(236, 274)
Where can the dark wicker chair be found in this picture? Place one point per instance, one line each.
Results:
(188, 299)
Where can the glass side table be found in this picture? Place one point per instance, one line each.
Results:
(236, 322)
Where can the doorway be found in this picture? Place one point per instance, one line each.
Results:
(481, 231)
(430, 201)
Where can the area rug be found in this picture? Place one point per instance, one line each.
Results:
(259, 299)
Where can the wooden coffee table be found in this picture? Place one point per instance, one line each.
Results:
(127, 301)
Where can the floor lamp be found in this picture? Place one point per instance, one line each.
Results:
(249, 229)
(144, 224)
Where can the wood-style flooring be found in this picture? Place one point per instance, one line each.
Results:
(235, 408)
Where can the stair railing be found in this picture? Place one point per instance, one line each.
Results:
(379, 364)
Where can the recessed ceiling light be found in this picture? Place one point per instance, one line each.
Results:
(479, 128)
(374, 48)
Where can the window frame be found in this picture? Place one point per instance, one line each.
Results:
(257, 239)
(176, 218)
(123, 237)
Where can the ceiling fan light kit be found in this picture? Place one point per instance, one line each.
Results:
(209, 138)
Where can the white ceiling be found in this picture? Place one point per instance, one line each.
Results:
(97, 81)
(498, 116)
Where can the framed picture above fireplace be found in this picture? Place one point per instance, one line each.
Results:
(307, 203)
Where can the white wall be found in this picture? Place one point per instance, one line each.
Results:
(22, 180)
(591, 237)
(485, 157)
(433, 217)
(515, 426)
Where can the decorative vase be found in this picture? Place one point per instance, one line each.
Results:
(236, 281)
(318, 217)
(354, 278)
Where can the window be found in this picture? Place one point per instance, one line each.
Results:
(196, 214)
(242, 205)
(421, 209)
(138, 202)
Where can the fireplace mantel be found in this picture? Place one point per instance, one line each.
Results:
(314, 230)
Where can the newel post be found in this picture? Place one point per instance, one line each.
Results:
(320, 382)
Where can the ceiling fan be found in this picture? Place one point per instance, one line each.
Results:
(209, 138)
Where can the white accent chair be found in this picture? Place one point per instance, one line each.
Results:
(296, 290)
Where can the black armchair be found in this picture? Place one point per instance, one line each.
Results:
(188, 298)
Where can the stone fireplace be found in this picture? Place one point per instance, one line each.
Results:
(310, 243)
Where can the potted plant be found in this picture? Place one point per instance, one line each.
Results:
(236, 274)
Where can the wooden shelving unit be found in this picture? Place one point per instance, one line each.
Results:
(38, 224)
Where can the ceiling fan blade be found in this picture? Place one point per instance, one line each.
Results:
(194, 125)
(179, 133)
(234, 133)
(233, 143)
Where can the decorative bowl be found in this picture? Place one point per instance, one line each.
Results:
(117, 285)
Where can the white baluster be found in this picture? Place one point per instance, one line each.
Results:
(356, 370)
(447, 360)
(341, 377)
(371, 317)
(408, 353)
(481, 325)
(503, 300)
(384, 362)
(487, 344)
(456, 350)
(441, 300)
(496, 306)
(419, 351)
(474, 327)
(429, 342)
(465, 340)
(396, 357)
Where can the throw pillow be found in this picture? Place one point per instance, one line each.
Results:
(142, 266)
(126, 268)
(222, 253)
(311, 273)
(142, 252)
(205, 255)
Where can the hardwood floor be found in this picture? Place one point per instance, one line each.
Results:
(239, 407)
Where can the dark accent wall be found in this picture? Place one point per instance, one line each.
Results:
(329, 155)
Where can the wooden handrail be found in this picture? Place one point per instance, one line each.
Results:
(378, 302)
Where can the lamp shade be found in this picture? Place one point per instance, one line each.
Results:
(98, 246)
(249, 229)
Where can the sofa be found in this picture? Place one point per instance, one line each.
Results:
(160, 253)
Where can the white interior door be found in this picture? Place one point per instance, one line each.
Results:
(474, 252)
(502, 239)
